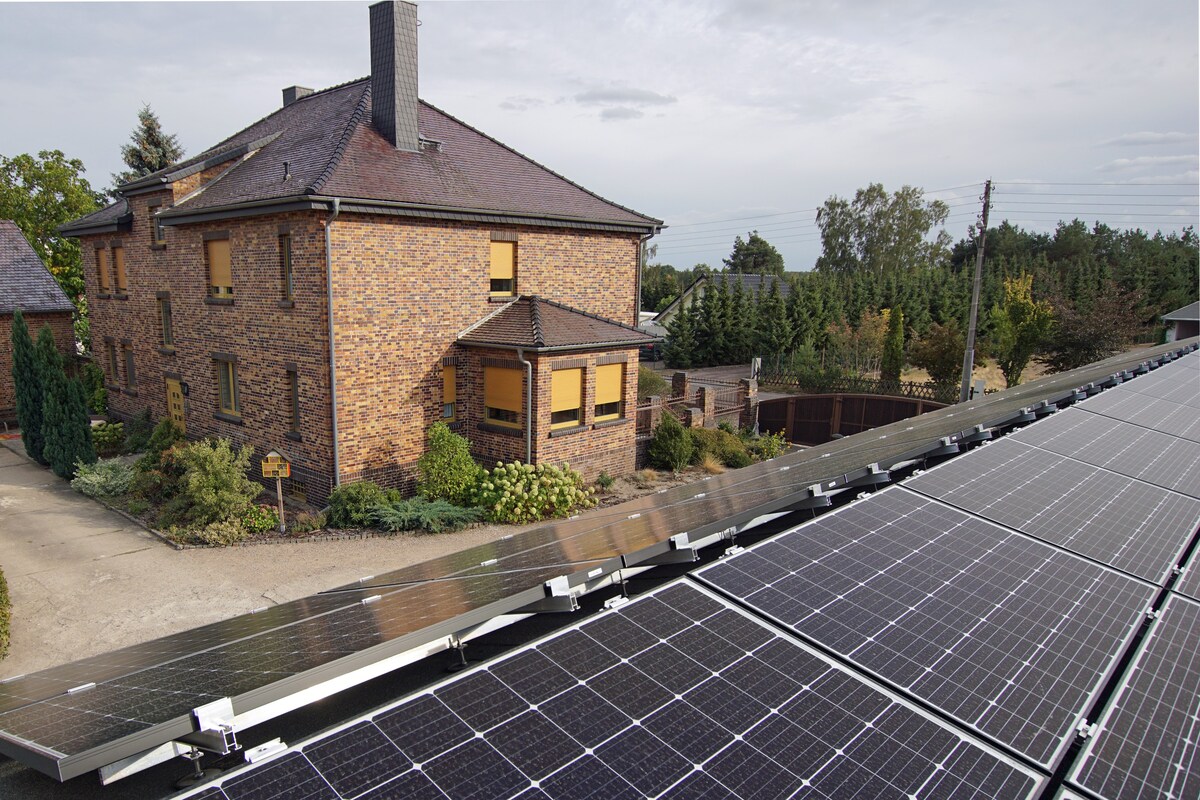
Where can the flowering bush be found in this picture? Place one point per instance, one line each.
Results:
(519, 492)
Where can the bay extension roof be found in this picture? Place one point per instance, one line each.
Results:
(953, 631)
(542, 325)
(973, 631)
(323, 146)
(28, 285)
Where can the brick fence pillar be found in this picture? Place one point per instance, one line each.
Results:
(748, 419)
(693, 418)
(656, 411)
(706, 401)
(680, 384)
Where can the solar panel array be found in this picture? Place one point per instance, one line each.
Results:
(674, 694)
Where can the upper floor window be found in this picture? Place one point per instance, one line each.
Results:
(502, 396)
(118, 258)
(227, 391)
(110, 348)
(566, 398)
(130, 373)
(293, 376)
(285, 265)
(157, 237)
(504, 269)
(220, 271)
(610, 391)
(102, 271)
(449, 392)
(164, 314)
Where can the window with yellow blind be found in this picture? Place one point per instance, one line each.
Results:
(220, 272)
(610, 391)
(102, 271)
(118, 258)
(449, 393)
(504, 269)
(502, 396)
(566, 398)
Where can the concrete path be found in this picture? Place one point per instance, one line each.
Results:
(84, 580)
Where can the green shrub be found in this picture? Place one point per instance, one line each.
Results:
(214, 486)
(604, 480)
(94, 392)
(306, 522)
(138, 431)
(222, 533)
(107, 478)
(671, 448)
(166, 434)
(259, 519)
(426, 516)
(727, 427)
(768, 445)
(651, 384)
(5, 615)
(447, 471)
(351, 505)
(524, 493)
(159, 483)
(108, 438)
(137, 506)
(722, 445)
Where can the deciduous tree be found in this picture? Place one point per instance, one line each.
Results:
(1018, 327)
(877, 233)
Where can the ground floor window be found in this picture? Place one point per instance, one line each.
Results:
(502, 396)
(610, 391)
(227, 393)
(566, 398)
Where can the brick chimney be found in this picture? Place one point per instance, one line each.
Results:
(394, 72)
(293, 93)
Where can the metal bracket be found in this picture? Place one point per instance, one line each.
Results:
(681, 552)
(214, 727)
(977, 434)
(876, 476)
(814, 496)
(945, 447)
(559, 598)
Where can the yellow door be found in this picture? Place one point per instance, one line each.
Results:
(175, 403)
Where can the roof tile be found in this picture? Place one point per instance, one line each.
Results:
(540, 324)
(28, 285)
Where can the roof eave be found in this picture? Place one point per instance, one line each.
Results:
(156, 181)
(562, 348)
(122, 224)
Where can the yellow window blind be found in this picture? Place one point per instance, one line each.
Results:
(504, 268)
(449, 392)
(118, 256)
(566, 397)
(610, 388)
(502, 395)
(102, 270)
(220, 273)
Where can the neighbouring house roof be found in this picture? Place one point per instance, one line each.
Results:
(112, 218)
(28, 285)
(751, 285)
(1187, 313)
(331, 149)
(542, 325)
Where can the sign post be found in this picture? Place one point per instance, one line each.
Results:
(276, 466)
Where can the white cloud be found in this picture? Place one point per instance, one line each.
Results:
(1145, 138)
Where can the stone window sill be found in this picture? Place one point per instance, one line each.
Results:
(129, 392)
(554, 434)
(610, 423)
(508, 298)
(120, 296)
(166, 351)
(219, 301)
(294, 436)
(286, 304)
(230, 418)
(501, 429)
(112, 387)
(158, 246)
(104, 296)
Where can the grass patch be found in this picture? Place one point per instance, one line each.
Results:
(5, 615)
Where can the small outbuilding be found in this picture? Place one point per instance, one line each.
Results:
(1183, 323)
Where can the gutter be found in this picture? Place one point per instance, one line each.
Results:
(336, 208)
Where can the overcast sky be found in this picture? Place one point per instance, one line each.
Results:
(717, 116)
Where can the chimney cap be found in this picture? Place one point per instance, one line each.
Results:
(293, 93)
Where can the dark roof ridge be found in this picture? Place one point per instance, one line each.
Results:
(519, 154)
(535, 319)
(347, 133)
(574, 310)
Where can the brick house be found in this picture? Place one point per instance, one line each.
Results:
(358, 265)
(29, 286)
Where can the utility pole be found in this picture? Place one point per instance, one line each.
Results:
(969, 356)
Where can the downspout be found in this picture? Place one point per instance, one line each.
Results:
(337, 463)
(528, 395)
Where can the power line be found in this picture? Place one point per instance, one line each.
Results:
(1101, 183)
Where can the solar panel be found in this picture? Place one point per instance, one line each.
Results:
(1150, 456)
(1150, 412)
(1178, 382)
(683, 696)
(1146, 744)
(1189, 581)
(1006, 634)
(1126, 523)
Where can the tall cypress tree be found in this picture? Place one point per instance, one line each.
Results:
(27, 380)
(65, 425)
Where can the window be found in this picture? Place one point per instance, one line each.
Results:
(156, 228)
(566, 398)
(285, 264)
(610, 389)
(113, 377)
(164, 313)
(449, 392)
(102, 271)
(227, 393)
(220, 273)
(130, 374)
(118, 258)
(502, 396)
(504, 269)
(294, 395)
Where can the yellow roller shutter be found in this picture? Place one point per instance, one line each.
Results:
(566, 397)
(220, 273)
(610, 389)
(102, 271)
(118, 255)
(502, 395)
(504, 268)
(449, 392)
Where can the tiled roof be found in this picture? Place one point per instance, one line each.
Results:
(540, 324)
(332, 150)
(1189, 312)
(110, 215)
(28, 285)
(751, 284)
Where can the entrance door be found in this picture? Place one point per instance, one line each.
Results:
(175, 403)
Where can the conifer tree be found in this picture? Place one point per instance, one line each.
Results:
(774, 327)
(27, 381)
(680, 348)
(150, 149)
(893, 347)
(66, 428)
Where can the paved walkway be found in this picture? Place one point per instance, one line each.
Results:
(85, 580)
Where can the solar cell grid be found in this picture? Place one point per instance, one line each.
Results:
(1128, 524)
(1149, 412)
(1189, 581)
(775, 720)
(1002, 632)
(1147, 744)
(1166, 461)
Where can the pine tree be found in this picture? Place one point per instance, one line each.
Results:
(774, 327)
(893, 348)
(27, 380)
(66, 428)
(680, 348)
(150, 149)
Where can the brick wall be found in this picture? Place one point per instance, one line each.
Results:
(64, 338)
